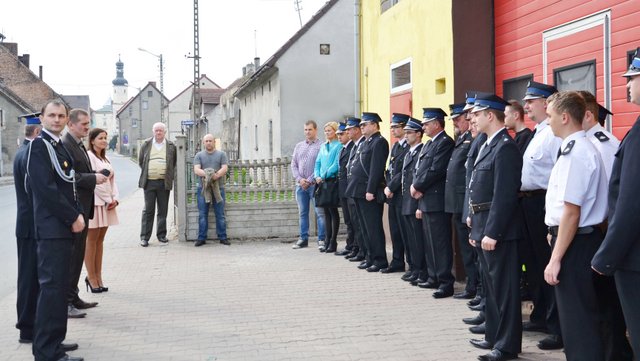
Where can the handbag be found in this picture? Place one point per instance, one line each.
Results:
(326, 193)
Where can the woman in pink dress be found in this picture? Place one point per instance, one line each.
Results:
(104, 215)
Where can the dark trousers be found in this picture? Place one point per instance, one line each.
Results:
(357, 230)
(577, 300)
(398, 235)
(467, 252)
(416, 246)
(627, 284)
(370, 215)
(346, 215)
(545, 309)
(77, 260)
(503, 312)
(438, 247)
(331, 226)
(51, 313)
(28, 287)
(612, 326)
(481, 278)
(154, 193)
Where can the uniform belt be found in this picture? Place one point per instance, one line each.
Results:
(532, 193)
(480, 207)
(553, 230)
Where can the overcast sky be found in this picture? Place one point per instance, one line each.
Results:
(78, 41)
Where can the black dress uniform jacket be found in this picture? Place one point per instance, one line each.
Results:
(496, 180)
(54, 203)
(621, 246)
(455, 184)
(342, 172)
(372, 152)
(431, 174)
(409, 204)
(24, 218)
(471, 158)
(393, 174)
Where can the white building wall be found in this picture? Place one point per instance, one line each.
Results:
(258, 107)
(178, 108)
(314, 86)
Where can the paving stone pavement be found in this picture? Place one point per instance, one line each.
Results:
(254, 300)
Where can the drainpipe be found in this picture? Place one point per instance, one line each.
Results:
(356, 43)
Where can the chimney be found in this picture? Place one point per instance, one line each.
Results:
(40, 72)
(152, 83)
(244, 70)
(24, 59)
(256, 62)
(250, 68)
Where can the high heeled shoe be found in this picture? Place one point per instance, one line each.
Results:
(93, 290)
(104, 289)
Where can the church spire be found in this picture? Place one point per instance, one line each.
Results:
(120, 80)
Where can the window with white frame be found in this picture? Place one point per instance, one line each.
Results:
(581, 76)
(401, 76)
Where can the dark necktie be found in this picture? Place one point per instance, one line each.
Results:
(84, 152)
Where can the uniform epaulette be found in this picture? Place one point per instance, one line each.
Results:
(568, 148)
(601, 136)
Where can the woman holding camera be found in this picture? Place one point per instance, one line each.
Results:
(105, 215)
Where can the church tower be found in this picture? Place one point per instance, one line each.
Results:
(120, 86)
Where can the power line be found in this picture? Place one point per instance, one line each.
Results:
(297, 4)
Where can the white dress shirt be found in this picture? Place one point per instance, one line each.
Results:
(606, 147)
(539, 158)
(577, 178)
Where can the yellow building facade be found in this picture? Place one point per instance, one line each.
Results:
(407, 55)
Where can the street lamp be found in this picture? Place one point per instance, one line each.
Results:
(161, 82)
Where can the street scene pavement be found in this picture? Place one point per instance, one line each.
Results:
(253, 300)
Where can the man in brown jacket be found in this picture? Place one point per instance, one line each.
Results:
(157, 159)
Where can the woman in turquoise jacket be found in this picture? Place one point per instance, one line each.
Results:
(327, 168)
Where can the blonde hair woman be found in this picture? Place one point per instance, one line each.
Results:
(327, 166)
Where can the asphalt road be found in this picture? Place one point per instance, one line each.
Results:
(127, 173)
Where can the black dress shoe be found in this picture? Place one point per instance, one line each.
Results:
(406, 276)
(551, 342)
(443, 293)
(373, 268)
(82, 305)
(357, 259)
(144, 242)
(474, 320)
(533, 327)
(428, 284)
(163, 240)
(25, 340)
(70, 358)
(497, 355)
(479, 329)
(475, 301)
(66, 347)
(225, 242)
(483, 344)
(199, 242)
(344, 252)
(478, 307)
(392, 269)
(417, 281)
(464, 295)
(364, 265)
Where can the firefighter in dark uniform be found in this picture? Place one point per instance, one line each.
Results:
(428, 188)
(26, 243)
(493, 202)
(359, 250)
(619, 254)
(367, 188)
(57, 216)
(454, 190)
(415, 241)
(347, 145)
(393, 176)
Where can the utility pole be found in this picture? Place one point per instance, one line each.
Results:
(195, 97)
(161, 82)
(297, 4)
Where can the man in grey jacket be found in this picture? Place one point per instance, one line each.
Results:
(157, 160)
